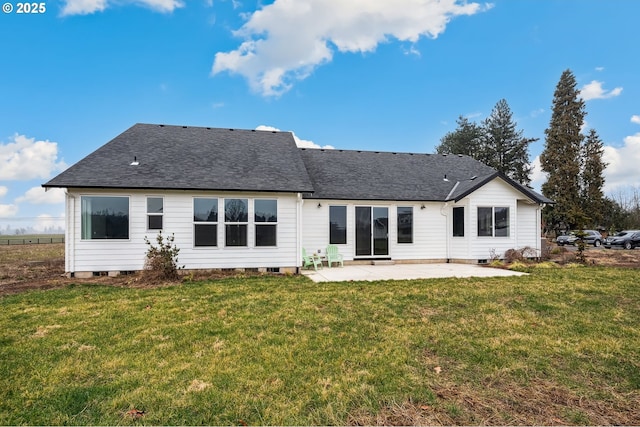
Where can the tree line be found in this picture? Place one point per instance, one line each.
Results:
(572, 161)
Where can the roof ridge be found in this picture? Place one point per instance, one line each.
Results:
(164, 125)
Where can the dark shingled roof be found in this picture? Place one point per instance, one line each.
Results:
(198, 158)
(368, 175)
(192, 158)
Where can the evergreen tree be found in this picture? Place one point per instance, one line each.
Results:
(592, 179)
(503, 147)
(560, 158)
(464, 140)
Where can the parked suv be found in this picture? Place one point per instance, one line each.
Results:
(627, 239)
(592, 237)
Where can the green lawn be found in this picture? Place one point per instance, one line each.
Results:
(561, 346)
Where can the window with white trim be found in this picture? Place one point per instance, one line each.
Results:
(104, 217)
(155, 212)
(266, 221)
(405, 224)
(205, 221)
(337, 225)
(236, 221)
(493, 221)
(458, 221)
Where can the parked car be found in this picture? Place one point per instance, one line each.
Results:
(627, 239)
(592, 237)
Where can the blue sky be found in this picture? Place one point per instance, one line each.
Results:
(352, 74)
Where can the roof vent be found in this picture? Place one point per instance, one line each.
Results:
(444, 155)
(161, 126)
(445, 176)
(473, 177)
(459, 155)
(184, 127)
(135, 161)
(231, 130)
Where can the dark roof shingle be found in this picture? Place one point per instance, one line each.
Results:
(199, 158)
(193, 158)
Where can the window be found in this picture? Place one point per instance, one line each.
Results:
(501, 221)
(155, 209)
(493, 222)
(104, 217)
(266, 218)
(337, 225)
(205, 222)
(458, 222)
(236, 217)
(405, 225)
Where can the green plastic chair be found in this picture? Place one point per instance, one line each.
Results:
(333, 256)
(308, 261)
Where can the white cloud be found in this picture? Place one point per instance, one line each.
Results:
(86, 7)
(622, 169)
(635, 119)
(3, 191)
(38, 196)
(46, 222)
(301, 143)
(8, 211)
(536, 113)
(26, 158)
(285, 41)
(594, 90)
(538, 177)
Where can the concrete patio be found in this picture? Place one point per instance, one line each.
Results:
(404, 272)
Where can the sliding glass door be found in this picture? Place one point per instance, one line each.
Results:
(372, 231)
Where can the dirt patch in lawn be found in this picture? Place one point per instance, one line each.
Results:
(540, 402)
(598, 256)
(41, 266)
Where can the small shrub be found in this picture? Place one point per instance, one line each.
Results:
(518, 266)
(162, 260)
(546, 265)
(574, 265)
(496, 263)
(513, 255)
(558, 250)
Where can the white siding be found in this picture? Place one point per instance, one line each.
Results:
(523, 221)
(459, 246)
(429, 226)
(529, 230)
(128, 255)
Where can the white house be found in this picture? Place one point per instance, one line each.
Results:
(253, 199)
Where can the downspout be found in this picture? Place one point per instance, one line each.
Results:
(539, 230)
(70, 240)
(446, 230)
(299, 204)
(447, 220)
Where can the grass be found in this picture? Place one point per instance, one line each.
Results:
(560, 346)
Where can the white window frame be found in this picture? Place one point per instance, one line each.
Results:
(265, 223)
(155, 214)
(236, 223)
(493, 221)
(86, 228)
(215, 223)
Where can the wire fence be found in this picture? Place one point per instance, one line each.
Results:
(30, 240)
